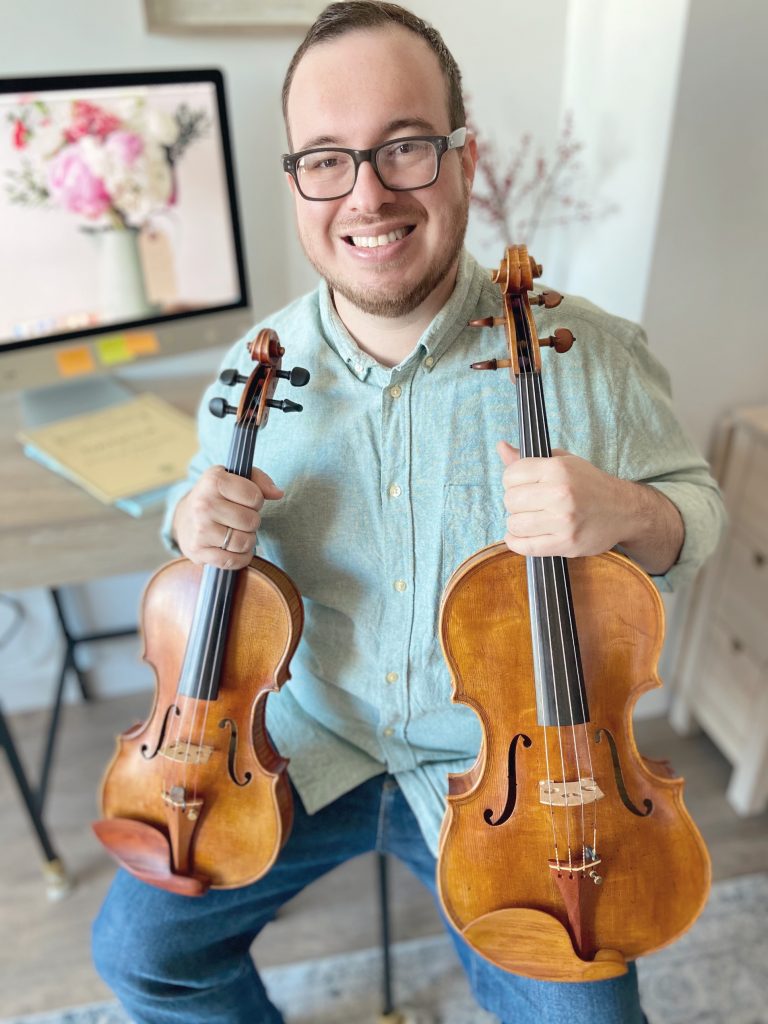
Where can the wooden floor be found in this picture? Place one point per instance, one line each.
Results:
(44, 954)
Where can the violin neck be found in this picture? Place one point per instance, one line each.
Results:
(201, 669)
(561, 698)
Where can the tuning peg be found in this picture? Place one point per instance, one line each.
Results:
(230, 377)
(560, 341)
(220, 408)
(298, 376)
(286, 405)
(488, 321)
(491, 364)
(547, 299)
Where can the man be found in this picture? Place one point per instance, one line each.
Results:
(388, 479)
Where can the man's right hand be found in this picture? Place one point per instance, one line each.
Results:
(220, 501)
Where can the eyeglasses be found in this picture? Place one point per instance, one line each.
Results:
(401, 165)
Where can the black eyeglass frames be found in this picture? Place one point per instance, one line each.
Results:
(401, 165)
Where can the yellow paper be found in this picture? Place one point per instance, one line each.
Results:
(128, 448)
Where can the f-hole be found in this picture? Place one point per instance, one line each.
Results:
(172, 709)
(619, 777)
(233, 753)
(511, 783)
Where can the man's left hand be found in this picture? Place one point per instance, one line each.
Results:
(564, 505)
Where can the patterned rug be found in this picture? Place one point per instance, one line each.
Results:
(716, 974)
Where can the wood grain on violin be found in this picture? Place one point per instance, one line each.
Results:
(196, 797)
(563, 852)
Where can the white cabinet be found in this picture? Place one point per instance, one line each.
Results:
(723, 666)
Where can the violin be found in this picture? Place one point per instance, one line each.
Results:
(563, 853)
(197, 797)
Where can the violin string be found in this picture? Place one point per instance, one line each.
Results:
(212, 583)
(223, 578)
(538, 570)
(562, 586)
(545, 563)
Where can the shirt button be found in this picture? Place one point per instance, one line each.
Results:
(395, 490)
(395, 391)
(359, 367)
(389, 732)
(392, 677)
(400, 585)
(429, 361)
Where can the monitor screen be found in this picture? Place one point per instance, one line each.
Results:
(117, 205)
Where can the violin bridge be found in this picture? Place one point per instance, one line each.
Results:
(186, 752)
(573, 866)
(569, 794)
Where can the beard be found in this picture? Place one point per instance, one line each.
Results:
(396, 301)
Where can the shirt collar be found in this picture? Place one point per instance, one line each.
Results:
(436, 339)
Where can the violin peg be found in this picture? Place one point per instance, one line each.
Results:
(547, 299)
(488, 321)
(230, 377)
(285, 405)
(560, 341)
(491, 364)
(298, 376)
(219, 407)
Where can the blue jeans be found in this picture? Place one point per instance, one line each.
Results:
(173, 959)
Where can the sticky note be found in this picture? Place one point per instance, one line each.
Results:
(74, 361)
(143, 344)
(114, 350)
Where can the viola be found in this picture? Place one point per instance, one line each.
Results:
(197, 797)
(564, 853)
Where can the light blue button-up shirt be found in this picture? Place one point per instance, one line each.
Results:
(392, 480)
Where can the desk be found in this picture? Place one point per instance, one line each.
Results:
(53, 534)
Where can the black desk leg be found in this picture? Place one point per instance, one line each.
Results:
(388, 1014)
(57, 883)
(69, 661)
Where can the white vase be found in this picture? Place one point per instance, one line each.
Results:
(122, 295)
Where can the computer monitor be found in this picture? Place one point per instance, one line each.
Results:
(119, 227)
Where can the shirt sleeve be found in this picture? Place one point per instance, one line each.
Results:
(654, 449)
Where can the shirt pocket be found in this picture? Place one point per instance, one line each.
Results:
(472, 519)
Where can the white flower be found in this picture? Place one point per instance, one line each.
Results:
(161, 127)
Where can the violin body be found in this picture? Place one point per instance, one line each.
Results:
(197, 797)
(246, 808)
(654, 866)
(563, 852)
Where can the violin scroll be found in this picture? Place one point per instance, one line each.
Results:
(515, 278)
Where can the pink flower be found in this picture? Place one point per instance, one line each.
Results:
(127, 147)
(20, 135)
(88, 119)
(74, 185)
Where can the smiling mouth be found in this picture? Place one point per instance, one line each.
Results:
(374, 241)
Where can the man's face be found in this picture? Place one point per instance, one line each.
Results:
(357, 91)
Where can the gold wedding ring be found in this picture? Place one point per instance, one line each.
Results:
(227, 538)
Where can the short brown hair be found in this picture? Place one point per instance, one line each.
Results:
(348, 15)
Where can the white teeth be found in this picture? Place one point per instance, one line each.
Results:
(372, 241)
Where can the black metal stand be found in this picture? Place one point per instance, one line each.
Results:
(57, 881)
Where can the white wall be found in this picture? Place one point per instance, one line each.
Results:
(704, 307)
